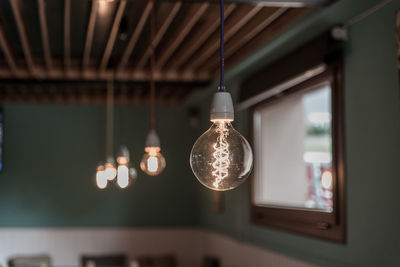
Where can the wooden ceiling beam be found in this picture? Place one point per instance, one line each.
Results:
(45, 34)
(182, 32)
(135, 36)
(195, 43)
(113, 35)
(233, 26)
(23, 36)
(279, 25)
(67, 34)
(45, 94)
(89, 35)
(264, 19)
(7, 52)
(164, 27)
(95, 75)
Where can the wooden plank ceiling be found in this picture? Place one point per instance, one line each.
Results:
(65, 50)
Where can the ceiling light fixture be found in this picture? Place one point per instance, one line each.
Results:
(108, 172)
(153, 162)
(221, 158)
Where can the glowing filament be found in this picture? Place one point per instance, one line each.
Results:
(123, 176)
(152, 164)
(221, 156)
(101, 178)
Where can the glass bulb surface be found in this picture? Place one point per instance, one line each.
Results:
(123, 176)
(110, 171)
(101, 179)
(153, 162)
(221, 158)
(133, 173)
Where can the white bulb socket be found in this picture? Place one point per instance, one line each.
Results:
(124, 152)
(123, 156)
(222, 107)
(152, 139)
(111, 160)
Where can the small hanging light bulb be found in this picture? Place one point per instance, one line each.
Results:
(101, 179)
(109, 169)
(123, 171)
(153, 162)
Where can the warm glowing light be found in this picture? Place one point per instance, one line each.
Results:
(221, 155)
(221, 158)
(110, 171)
(101, 179)
(122, 160)
(326, 179)
(123, 176)
(105, 6)
(153, 162)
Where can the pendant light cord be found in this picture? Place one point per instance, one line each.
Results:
(110, 118)
(221, 87)
(152, 66)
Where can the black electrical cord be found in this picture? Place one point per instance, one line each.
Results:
(152, 67)
(221, 87)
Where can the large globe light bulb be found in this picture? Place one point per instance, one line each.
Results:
(221, 159)
(153, 162)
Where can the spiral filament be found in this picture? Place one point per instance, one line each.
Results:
(221, 155)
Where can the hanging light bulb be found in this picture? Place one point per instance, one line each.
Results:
(101, 179)
(124, 173)
(153, 162)
(221, 158)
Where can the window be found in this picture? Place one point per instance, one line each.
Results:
(293, 145)
(298, 181)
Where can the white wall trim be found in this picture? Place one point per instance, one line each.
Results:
(190, 245)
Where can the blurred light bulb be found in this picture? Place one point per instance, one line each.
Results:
(153, 162)
(326, 179)
(133, 173)
(221, 158)
(110, 170)
(101, 179)
(123, 176)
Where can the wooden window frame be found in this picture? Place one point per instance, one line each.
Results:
(319, 224)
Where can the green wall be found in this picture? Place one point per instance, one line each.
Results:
(372, 136)
(50, 158)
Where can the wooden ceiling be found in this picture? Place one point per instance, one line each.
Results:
(66, 47)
